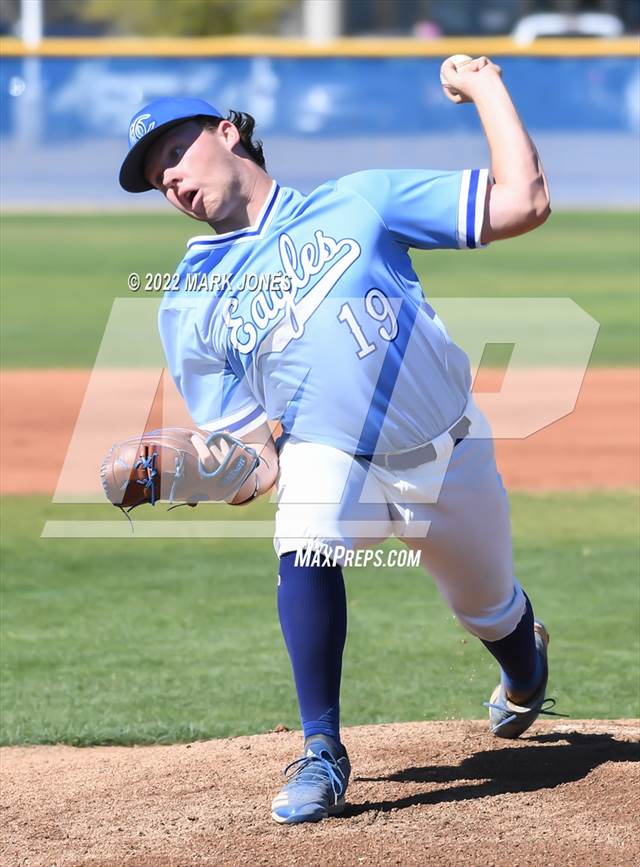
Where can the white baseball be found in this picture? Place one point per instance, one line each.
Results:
(458, 60)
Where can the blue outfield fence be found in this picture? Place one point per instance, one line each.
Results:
(63, 121)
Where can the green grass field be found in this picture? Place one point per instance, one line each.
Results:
(105, 641)
(60, 274)
(112, 642)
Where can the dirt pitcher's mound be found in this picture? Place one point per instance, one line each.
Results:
(444, 793)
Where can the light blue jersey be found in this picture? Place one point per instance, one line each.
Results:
(315, 317)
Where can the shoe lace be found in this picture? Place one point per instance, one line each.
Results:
(316, 769)
(545, 708)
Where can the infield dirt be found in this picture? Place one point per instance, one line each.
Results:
(596, 446)
(430, 793)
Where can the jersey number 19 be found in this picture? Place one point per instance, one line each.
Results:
(378, 307)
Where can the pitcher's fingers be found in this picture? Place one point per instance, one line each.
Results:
(207, 459)
(448, 68)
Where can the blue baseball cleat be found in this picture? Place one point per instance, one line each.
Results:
(509, 720)
(316, 785)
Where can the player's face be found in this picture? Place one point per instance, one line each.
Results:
(195, 170)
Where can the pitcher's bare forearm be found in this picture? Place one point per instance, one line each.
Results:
(518, 199)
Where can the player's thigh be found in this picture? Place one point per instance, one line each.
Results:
(327, 498)
(468, 547)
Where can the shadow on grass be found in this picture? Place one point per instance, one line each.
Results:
(509, 770)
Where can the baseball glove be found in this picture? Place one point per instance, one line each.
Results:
(177, 465)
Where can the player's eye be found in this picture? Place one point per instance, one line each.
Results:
(176, 153)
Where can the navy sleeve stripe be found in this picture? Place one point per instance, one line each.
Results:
(246, 420)
(239, 426)
(471, 209)
(471, 204)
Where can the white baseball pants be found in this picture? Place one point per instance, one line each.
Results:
(453, 509)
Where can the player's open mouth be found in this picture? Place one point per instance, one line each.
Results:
(196, 199)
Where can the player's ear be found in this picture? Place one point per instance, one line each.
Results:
(229, 133)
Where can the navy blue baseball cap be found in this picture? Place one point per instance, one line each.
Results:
(147, 125)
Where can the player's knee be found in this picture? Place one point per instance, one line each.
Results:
(496, 622)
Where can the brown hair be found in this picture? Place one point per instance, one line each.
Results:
(245, 124)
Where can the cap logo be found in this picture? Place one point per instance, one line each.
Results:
(139, 128)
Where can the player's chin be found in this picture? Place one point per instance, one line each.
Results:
(188, 212)
(200, 213)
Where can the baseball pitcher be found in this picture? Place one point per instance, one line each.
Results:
(305, 311)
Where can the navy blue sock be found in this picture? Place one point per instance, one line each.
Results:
(312, 605)
(517, 655)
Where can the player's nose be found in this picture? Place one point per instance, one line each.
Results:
(172, 177)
